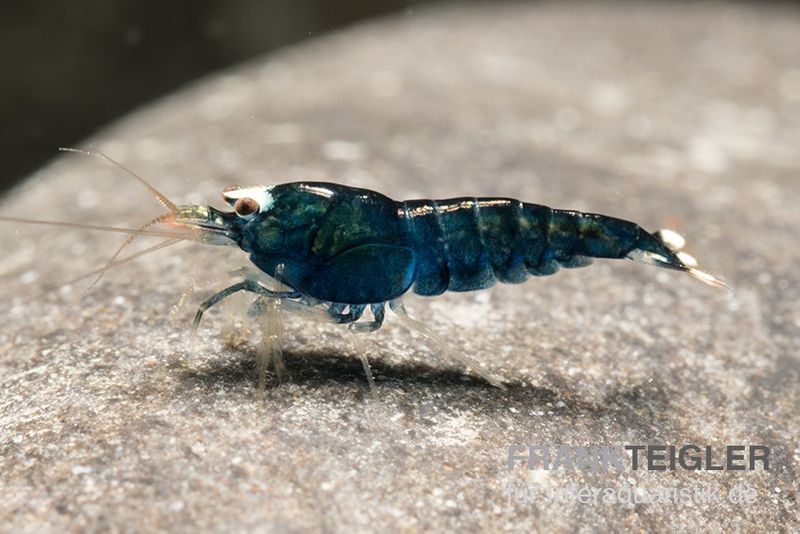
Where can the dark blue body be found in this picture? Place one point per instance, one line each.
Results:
(354, 246)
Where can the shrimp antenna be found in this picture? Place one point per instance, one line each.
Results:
(193, 235)
(160, 197)
(110, 265)
(102, 271)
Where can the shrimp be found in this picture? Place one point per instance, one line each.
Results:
(336, 251)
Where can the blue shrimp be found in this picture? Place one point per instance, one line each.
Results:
(354, 248)
(343, 249)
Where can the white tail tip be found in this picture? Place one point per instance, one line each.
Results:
(707, 278)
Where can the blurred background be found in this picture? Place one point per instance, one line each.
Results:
(68, 68)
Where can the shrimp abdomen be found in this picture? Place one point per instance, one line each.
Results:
(468, 243)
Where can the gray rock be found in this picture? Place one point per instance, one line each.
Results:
(685, 117)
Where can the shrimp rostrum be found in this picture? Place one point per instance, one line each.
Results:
(339, 250)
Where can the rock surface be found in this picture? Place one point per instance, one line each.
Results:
(683, 117)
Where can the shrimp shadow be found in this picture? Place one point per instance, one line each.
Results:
(317, 370)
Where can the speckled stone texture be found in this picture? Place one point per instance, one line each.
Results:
(681, 116)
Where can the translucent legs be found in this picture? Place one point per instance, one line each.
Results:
(248, 284)
(411, 324)
(354, 313)
(269, 349)
(270, 303)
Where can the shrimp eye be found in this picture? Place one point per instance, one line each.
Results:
(246, 207)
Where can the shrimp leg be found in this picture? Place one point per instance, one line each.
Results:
(378, 314)
(245, 285)
(355, 313)
(398, 308)
(269, 349)
(334, 314)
